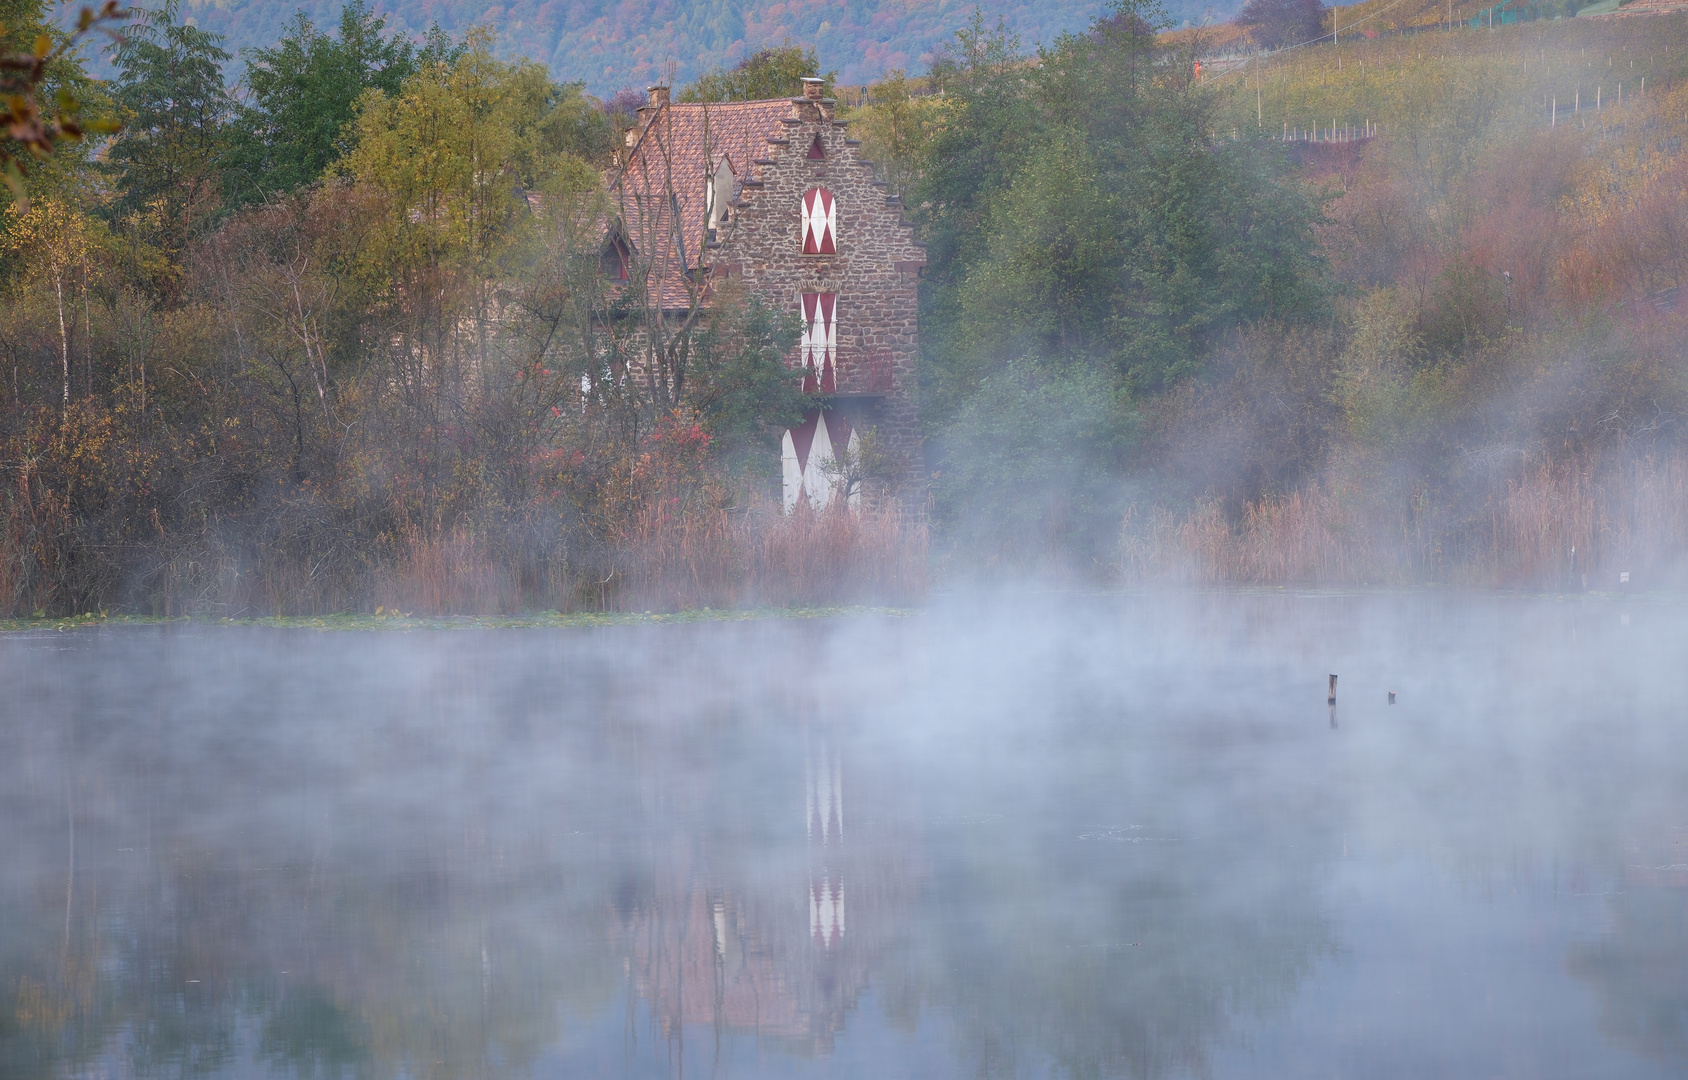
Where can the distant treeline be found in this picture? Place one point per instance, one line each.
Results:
(340, 336)
(608, 46)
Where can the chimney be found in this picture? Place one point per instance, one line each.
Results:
(813, 88)
(659, 96)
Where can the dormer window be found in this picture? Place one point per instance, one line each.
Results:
(615, 258)
(718, 196)
(820, 222)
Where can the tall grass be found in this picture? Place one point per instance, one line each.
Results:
(1569, 525)
(671, 562)
(710, 559)
(767, 558)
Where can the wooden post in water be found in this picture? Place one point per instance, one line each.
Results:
(1391, 697)
(1332, 699)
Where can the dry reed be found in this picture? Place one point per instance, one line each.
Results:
(1577, 524)
(763, 557)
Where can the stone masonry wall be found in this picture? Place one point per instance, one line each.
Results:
(875, 272)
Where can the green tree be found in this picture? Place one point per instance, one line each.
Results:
(767, 73)
(455, 151)
(739, 379)
(896, 127)
(989, 130)
(1032, 459)
(52, 244)
(174, 106)
(1084, 209)
(302, 96)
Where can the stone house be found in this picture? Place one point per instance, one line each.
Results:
(775, 196)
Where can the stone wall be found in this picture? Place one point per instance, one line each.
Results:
(875, 272)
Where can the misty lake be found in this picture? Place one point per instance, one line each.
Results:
(1041, 836)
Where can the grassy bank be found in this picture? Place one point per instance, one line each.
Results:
(385, 620)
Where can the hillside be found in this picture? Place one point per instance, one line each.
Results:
(610, 45)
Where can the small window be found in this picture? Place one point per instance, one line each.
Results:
(817, 152)
(820, 222)
(718, 194)
(614, 259)
(820, 342)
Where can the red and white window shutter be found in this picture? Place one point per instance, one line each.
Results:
(820, 342)
(820, 222)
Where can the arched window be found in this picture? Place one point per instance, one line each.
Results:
(820, 222)
(820, 342)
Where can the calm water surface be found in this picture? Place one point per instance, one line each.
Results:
(1047, 836)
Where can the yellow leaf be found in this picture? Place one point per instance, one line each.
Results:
(43, 46)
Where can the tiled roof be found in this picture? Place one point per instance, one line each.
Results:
(664, 179)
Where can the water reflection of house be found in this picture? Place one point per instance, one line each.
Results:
(824, 815)
(775, 956)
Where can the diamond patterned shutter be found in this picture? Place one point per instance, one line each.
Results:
(820, 342)
(820, 222)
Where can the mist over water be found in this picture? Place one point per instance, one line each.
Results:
(1025, 835)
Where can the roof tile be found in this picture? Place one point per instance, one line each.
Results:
(661, 188)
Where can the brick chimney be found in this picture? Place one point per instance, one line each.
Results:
(812, 107)
(647, 113)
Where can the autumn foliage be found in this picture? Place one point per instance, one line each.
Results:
(1171, 331)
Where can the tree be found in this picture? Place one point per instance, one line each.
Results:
(302, 96)
(38, 61)
(1031, 460)
(171, 96)
(1276, 23)
(895, 127)
(53, 241)
(1080, 211)
(767, 73)
(739, 380)
(455, 151)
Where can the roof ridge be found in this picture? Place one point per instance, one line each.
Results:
(752, 101)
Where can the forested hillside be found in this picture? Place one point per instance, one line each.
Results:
(632, 44)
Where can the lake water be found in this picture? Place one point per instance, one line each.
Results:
(1036, 836)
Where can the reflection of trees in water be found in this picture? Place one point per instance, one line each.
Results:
(1123, 963)
(408, 894)
(351, 966)
(310, 1033)
(1119, 914)
(240, 902)
(1638, 971)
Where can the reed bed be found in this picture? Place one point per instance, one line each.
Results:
(1569, 525)
(716, 558)
(771, 559)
